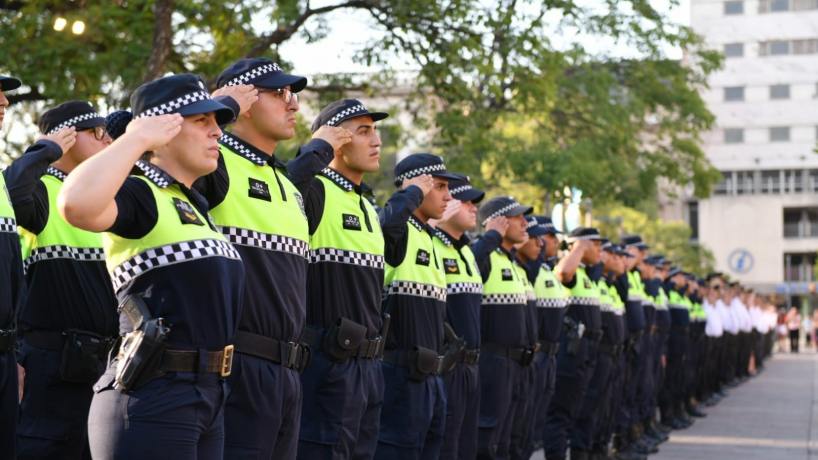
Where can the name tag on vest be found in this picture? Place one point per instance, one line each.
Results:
(549, 283)
(451, 266)
(259, 190)
(351, 222)
(422, 258)
(586, 283)
(507, 276)
(186, 212)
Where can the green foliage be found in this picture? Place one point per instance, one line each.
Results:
(665, 237)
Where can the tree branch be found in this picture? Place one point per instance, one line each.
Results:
(162, 39)
(33, 95)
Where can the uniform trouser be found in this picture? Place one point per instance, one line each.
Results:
(594, 405)
(8, 403)
(546, 366)
(644, 392)
(413, 416)
(498, 380)
(628, 408)
(758, 348)
(729, 358)
(714, 362)
(462, 412)
(53, 414)
(610, 419)
(743, 354)
(341, 411)
(263, 412)
(573, 374)
(524, 400)
(674, 387)
(179, 416)
(658, 379)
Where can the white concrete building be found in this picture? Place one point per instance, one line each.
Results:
(762, 220)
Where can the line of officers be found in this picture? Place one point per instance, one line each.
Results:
(171, 289)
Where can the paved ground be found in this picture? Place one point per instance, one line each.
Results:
(772, 417)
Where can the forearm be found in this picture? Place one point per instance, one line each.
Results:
(567, 266)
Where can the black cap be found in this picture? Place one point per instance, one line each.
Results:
(185, 94)
(260, 72)
(621, 251)
(9, 83)
(79, 114)
(116, 122)
(634, 240)
(342, 110)
(418, 164)
(505, 206)
(548, 224)
(534, 228)
(655, 260)
(585, 233)
(674, 271)
(462, 190)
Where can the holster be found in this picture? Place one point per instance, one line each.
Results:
(84, 356)
(140, 353)
(342, 340)
(453, 347)
(8, 339)
(573, 334)
(424, 362)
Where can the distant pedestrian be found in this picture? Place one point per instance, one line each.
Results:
(793, 320)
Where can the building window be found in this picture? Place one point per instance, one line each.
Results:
(745, 182)
(734, 50)
(773, 6)
(733, 135)
(809, 46)
(800, 222)
(771, 182)
(725, 186)
(734, 7)
(734, 93)
(798, 266)
(693, 219)
(779, 134)
(801, 5)
(780, 92)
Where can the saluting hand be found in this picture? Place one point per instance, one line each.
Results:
(154, 132)
(425, 182)
(334, 135)
(244, 95)
(499, 224)
(65, 138)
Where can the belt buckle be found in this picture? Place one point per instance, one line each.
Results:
(227, 361)
(292, 358)
(373, 346)
(439, 366)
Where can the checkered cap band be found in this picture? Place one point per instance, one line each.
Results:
(8, 225)
(571, 239)
(266, 241)
(501, 211)
(170, 254)
(63, 252)
(342, 256)
(583, 301)
(175, 105)
(347, 112)
(431, 169)
(461, 189)
(154, 174)
(531, 224)
(552, 303)
(52, 171)
(464, 288)
(504, 299)
(238, 147)
(73, 122)
(342, 181)
(411, 288)
(253, 73)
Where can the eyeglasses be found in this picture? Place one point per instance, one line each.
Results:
(286, 94)
(99, 132)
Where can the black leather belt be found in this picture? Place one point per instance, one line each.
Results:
(291, 355)
(51, 340)
(216, 362)
(549, 348)
(469, 356)
(522, 355)
(8, 337)
(369, 349)
(403, 358)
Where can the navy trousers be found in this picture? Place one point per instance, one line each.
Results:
(8, 403)
(462, 412)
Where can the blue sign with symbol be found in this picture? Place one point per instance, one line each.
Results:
(740, 261)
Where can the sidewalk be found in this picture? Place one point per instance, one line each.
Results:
(773, 416)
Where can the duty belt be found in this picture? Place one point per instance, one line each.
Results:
(291, 355)
(8, 337)
(522, 355)
(469, 356)
(549, 348)
(402, 358)
(215, 362)
(369, 349)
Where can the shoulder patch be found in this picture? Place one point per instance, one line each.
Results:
(422, 257)
(259, 189)
(507, 275)
(451, 266)
(186, 212)
(351, 222)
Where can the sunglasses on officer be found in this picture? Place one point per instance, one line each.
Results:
(286, 94)
(99, 132)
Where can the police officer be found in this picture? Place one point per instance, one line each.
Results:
(414, 408)
(656, 292)
(579, 339)
(506, 348)
(464, 288)
(179, 281)
(11, 299)
(258, 204)
(69, 319)
(343, 386)
(673, 404)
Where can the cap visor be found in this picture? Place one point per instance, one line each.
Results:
(472, 195)
(280, 80)
(446, 175)
(92, 123)
(537, 231)
(224, 114)
(9, 83)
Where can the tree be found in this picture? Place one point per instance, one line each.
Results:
(508, 98)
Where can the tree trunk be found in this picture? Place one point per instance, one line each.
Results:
(162, 39)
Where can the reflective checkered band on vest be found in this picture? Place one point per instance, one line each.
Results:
(278, 243)
(416, 290)
(169, 255)
(648, 303)
(52, 171)
(634, 298)
(505, 299)
(154, 174)
(254, 73)
(341, 256)
(8, 225)
(677, 306)
(73, 122)
(606, 307)
(552, 303)
(174, 105)
(63, 252)
(586, 301)
(464, 288)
